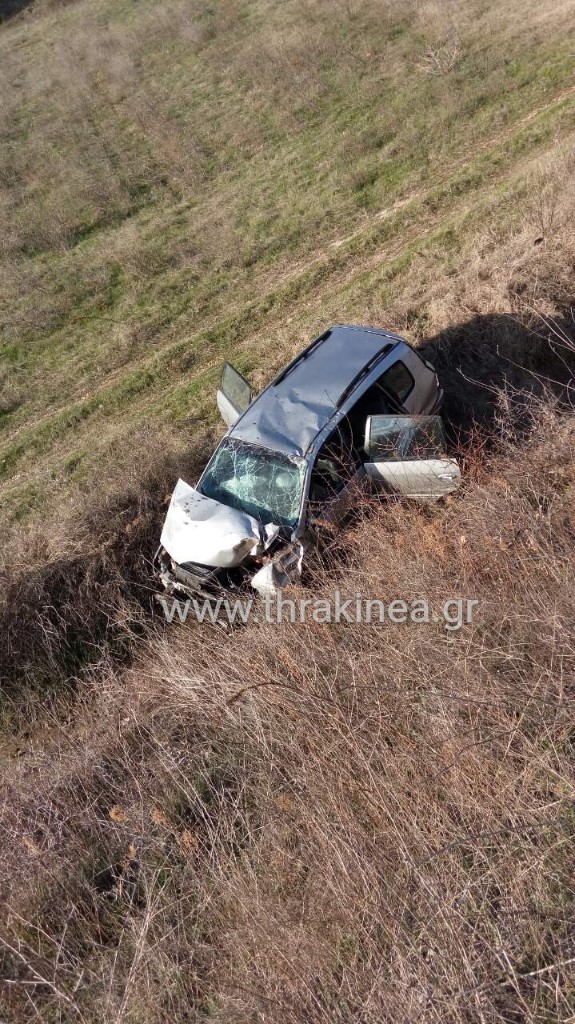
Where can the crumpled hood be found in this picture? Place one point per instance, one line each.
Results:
(199, 529)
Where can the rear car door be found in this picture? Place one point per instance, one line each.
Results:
(406, 455)
(234, 395)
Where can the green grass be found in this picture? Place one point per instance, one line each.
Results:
(175, 182)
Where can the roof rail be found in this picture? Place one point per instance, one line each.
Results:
(363, 373)
(298, 359)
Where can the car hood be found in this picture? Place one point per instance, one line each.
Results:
(199, 529)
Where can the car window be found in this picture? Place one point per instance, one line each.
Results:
(266, 484)
(235, 388)
(397, 381)
(406, 438)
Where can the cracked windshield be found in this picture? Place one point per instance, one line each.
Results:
(266, 484)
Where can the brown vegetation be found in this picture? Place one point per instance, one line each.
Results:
(307, 822)
(85, 593)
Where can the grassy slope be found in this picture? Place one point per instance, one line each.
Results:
(302, 824)
(179, 186)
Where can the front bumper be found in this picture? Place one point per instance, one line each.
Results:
(196, 580)
(269, 575)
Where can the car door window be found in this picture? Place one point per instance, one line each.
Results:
(235, 387)
(397, 381)
(407, 456)
(403, 438)
(234, 395)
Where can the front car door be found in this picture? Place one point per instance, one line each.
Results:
(234, 395)
(407, 455)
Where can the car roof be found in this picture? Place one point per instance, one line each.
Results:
(304, 397)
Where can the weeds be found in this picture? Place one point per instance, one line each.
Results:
(92, 599)
(147, 194)
(323, 822)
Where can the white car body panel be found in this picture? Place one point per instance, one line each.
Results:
(420, 479)
(199, 529)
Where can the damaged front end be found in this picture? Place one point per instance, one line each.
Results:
(267, 575)
(208, 548)
(193, 579)
(279, 571)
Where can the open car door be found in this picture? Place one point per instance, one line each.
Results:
(234, 395)
(407, 455)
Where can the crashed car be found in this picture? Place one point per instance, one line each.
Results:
(356, 410)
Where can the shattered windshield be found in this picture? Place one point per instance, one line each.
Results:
(266, 484)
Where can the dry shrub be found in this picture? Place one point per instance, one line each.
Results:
(552, 192)
(82, 595)
(326, 822)
(492, 366)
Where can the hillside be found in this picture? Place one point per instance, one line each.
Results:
(293, 823)
(182, 182)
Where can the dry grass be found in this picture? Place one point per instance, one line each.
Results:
(324, 822)
(84, 593)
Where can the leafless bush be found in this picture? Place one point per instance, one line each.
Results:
(442, 58)
(551, 191)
